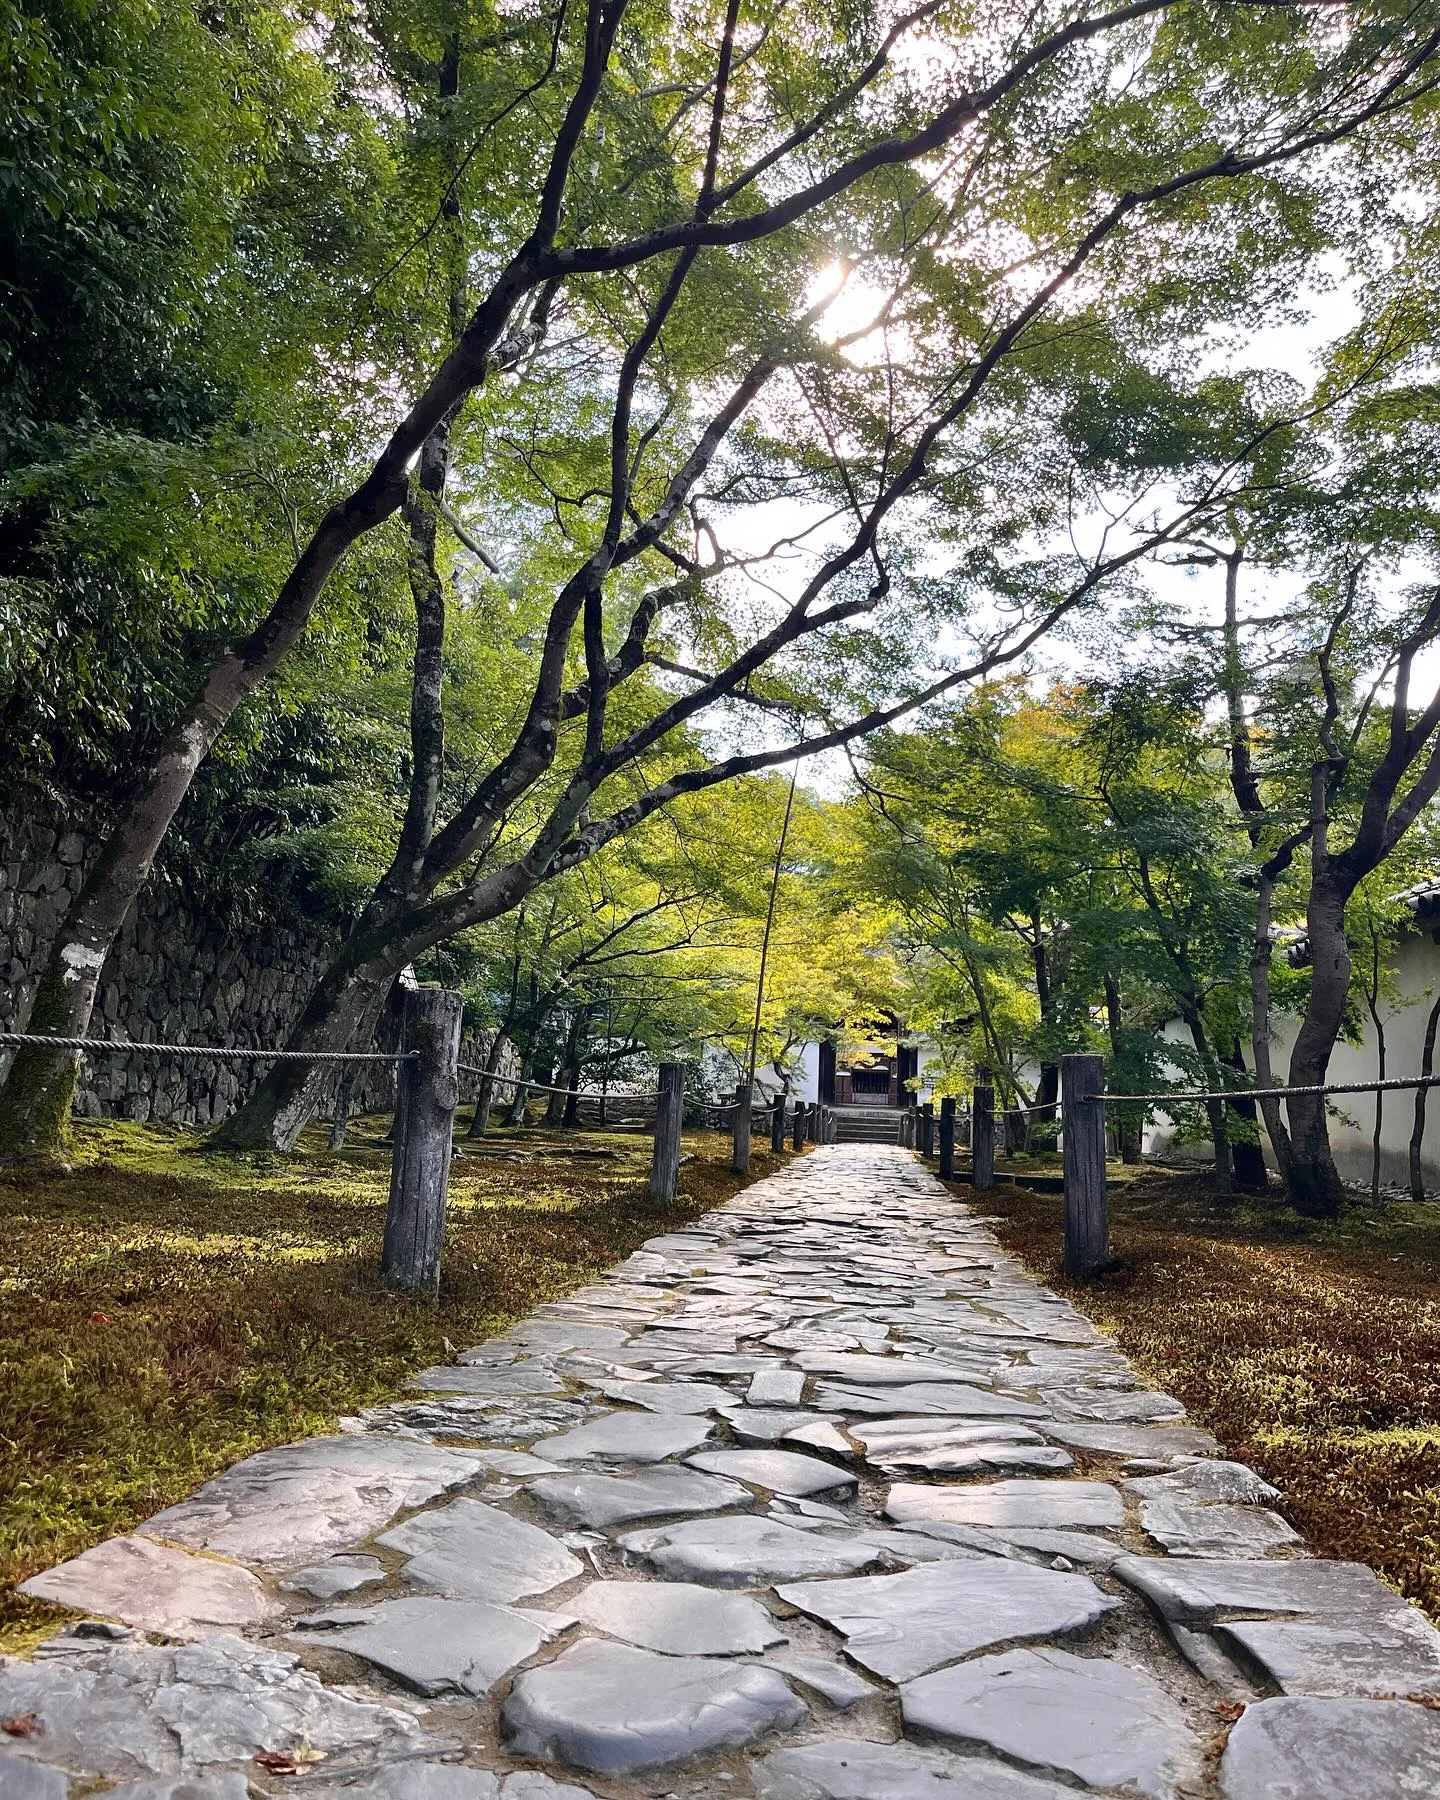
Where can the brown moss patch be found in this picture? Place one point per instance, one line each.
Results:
(163, 1313)
(1311, 1351)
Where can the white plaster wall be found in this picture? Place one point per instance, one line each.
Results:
(1416, 973)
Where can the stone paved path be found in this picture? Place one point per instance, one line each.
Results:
(819, 1499)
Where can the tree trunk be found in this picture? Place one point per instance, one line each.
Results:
(1260, 954)
(341, 1015)
(1312, 1181)
(1247, 1156)
(1417, 1134)
(1214, 1109)
(344, 1092)
(485, 1095)
(521, 1097)
(1372, 1004)
(1127, 1128)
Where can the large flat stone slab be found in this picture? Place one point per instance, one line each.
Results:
(628, 1437)
(778, 1471)
(1147, 1442)
(21, 1779)
(470, 1551)
(494, 1383)
(1096, 1720)
(881, 1371)
(1289, 1749)
(1196, 1591)
(841, 1686)
(1216, 1529)
(1143, 1407)
(340, 1575)
(746, 1552)
(677, 1618)
(148, 1584)
(979, 1458)
(450, 1781)
(286, 1507)
(1205, 1484)
(614, 1709)
(1397, 1652)
(437, 1646)
(905, 1625)
(598, 1501)
(775, 1387)
(768, 1424)
(669, 1396)
(1083, 1504)
(131, 1712)
(926, 1397)
(853, 1769)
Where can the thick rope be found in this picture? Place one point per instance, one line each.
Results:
(124, 1046)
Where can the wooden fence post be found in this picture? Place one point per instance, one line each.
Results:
(777, 1123)
(669, 1112)
(947, 1139)
(982, 1133)
(927, 1128)
(1087, 1220)
(427, 1093)
(740, 1131)
(797, 1142)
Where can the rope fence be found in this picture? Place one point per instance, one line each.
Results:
(218, 1053)
(1157, 1102)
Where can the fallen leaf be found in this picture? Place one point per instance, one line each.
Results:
(277, 1762)
(289, 1762)
(98, 1318)
(23, 1725)
(1228, 1710)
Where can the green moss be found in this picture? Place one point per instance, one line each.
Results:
(163, 1313)
(35, 1101)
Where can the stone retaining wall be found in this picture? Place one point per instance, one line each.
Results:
(178, 973)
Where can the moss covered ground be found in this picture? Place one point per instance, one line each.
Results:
(1312, 1351)
(163, 1312)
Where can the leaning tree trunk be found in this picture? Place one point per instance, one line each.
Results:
(485, 1096)
(36, 1097)
(1127, 1127)
(341, 1014)
(1247, 1157)
(1422, 1094)
(1312, 1181)
(1260, 954)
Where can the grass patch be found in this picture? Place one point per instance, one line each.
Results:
(163, 1313)
(1312, 1351)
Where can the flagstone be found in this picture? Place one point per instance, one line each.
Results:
(469, 1550)
(904, 1625)
(614, 1709)
(677, 1617)
(436, 1646)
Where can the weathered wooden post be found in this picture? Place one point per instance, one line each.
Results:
(777, 1123)
(947, 1138)
(669, 1114)
(797, 1141)
(1087, 1218)
(927, 1128)
(427, 1093)
(740, 1131)
(982, 1133)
